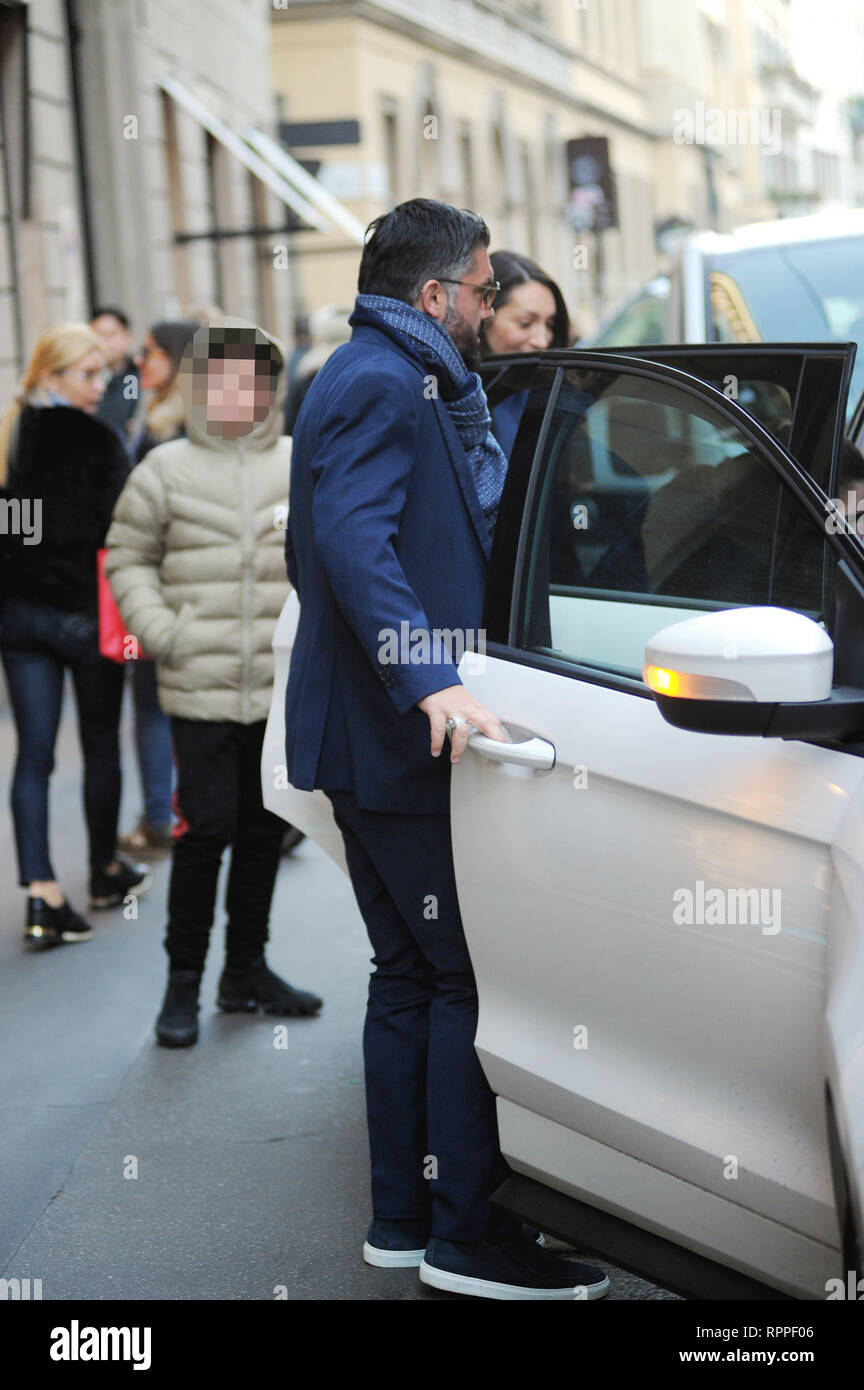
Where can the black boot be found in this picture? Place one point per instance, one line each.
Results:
(177, 1025)
(247, 990)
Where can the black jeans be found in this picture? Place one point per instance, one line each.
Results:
(219, 803)
(38, 644)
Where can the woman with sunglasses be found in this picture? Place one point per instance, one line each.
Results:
(61, 471)
(158, 362)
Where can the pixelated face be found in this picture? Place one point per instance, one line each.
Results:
(233, 386)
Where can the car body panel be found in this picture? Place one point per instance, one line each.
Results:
(311, 812)
(656, 1201)
(783, 832)
(601, 844)
(844, 1016)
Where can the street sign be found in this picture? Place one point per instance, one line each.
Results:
(593, 203)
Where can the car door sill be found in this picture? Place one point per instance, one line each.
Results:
(630, 1247)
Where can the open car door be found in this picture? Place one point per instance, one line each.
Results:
(639, 1044)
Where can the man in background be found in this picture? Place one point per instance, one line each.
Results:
(120, 400)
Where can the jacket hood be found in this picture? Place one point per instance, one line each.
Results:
(213, 341)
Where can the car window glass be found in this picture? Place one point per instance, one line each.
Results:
(798, 393)
(643, 322)
(651, 505)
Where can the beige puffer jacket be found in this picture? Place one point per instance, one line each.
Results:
(196, 564)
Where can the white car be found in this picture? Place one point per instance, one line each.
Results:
(662, 874)
(800, 279)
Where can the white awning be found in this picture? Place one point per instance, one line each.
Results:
(305, 184)
(260, 166)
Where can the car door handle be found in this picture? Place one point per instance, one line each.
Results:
(535, 752)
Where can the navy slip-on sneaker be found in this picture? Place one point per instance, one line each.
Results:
(402, 1244)
(396, 1244)
(508, 1269)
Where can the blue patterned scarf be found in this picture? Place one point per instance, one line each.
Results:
(460, 390)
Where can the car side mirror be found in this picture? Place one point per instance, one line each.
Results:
(764, 671)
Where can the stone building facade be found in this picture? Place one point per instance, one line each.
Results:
(474, 101)
(111, 183)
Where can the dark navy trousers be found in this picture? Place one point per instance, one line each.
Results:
(433, 1134)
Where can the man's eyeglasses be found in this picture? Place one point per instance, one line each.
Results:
(487, 291)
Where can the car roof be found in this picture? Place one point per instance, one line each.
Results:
(819, 226)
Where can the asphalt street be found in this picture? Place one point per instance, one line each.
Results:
(236, 1169)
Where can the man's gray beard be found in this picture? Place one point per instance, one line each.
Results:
(464, 337)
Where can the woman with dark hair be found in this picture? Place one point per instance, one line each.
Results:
(530, 313)
(530, 316)
(158, 362)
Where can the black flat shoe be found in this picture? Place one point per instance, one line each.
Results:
(111, 890)
(53, 926)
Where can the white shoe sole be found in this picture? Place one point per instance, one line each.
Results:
(392, 1259)
(67, 938)
(487, 1288)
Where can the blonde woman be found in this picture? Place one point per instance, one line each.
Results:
(61, 471)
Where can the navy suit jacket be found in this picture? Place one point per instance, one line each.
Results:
(385, 529)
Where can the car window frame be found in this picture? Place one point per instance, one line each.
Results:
(855, 432)
(804, 352)
(501, 616)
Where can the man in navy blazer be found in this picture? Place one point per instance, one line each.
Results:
(395, 485)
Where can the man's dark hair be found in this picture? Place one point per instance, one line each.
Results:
(418, 241)
(117, 314)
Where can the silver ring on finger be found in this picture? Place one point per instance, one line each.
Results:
(455, 722)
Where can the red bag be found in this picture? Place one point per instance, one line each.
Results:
(114, 641)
